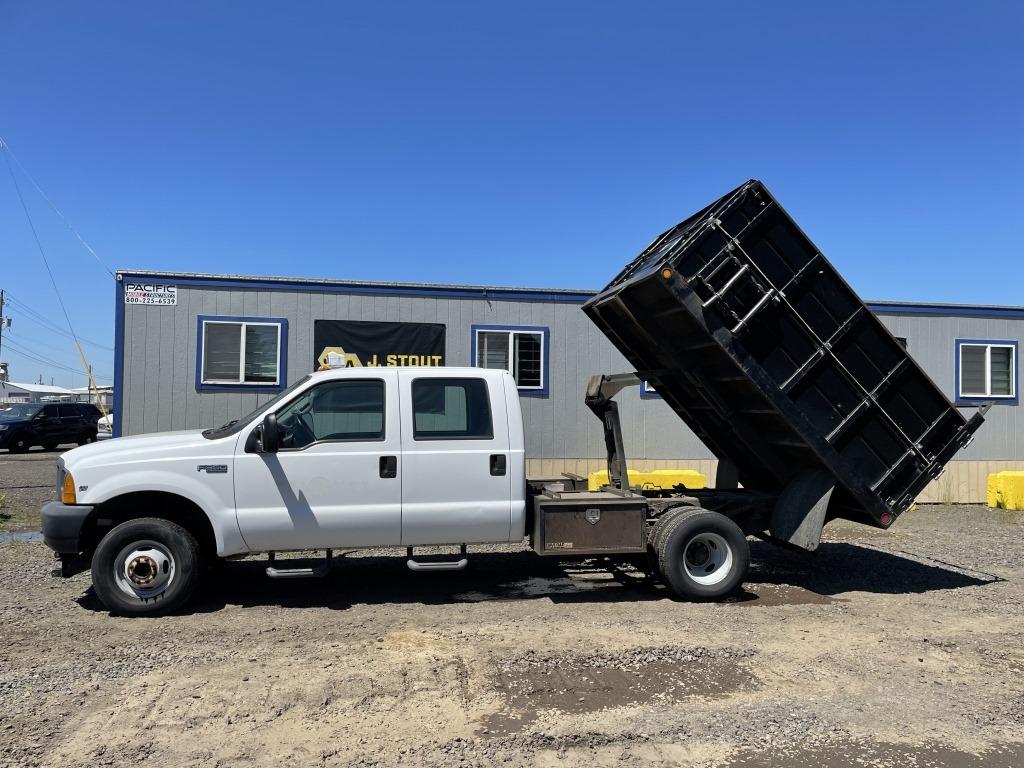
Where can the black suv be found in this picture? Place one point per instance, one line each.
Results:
(23, 425)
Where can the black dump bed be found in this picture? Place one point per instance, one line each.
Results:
(752, 337)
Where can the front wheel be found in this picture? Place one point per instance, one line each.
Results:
(146, 567)
(19, 444)
(702, 555)
(88, 437)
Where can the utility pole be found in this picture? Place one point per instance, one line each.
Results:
(3, 322)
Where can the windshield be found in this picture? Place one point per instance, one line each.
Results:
(19, 411)
(233, 426)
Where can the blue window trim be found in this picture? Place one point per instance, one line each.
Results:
(545, 332)
(282, 360)
(968, 400)
(647, 392)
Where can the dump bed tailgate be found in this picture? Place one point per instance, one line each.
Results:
(755, 341)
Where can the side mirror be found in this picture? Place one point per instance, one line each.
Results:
(270, 437)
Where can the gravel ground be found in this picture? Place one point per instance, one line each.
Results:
(26, 483)
(903, 648)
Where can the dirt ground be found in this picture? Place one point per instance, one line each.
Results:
(903, 648)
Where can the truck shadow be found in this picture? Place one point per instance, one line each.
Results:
(777, 577)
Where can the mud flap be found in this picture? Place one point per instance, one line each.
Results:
(799, 513)
(71, 565)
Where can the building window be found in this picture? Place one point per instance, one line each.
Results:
(986, 370)
(241, 353)
(451, 409)
(521, 350)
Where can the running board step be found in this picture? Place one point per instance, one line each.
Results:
(301, 573)
(443, 565)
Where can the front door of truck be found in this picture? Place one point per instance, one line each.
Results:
(456, 473)
(336, 480)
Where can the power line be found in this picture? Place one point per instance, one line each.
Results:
(41, 320)
(19, 350)
(35, 347)
(39, 245)
(5, 146)
(53, 281)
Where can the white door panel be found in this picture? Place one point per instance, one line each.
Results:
(328, 493)
(449, 494)
(318, 498)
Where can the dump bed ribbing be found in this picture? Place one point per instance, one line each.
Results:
(756, 342)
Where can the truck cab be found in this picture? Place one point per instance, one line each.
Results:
(345, 458)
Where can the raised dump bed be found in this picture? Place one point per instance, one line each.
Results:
(755, 341)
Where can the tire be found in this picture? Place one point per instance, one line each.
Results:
(146, 567)
(50, 446)
(19, 444)
(88, 437)
(702, 555)
(662, 524)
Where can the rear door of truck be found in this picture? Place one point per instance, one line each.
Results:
(456, 473)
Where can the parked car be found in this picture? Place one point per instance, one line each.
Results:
(105, 427)
(23, 425)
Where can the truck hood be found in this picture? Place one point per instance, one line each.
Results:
(142, 448)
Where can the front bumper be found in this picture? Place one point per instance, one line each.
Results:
(62, 527)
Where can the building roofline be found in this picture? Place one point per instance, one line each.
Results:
(364, 286)
(448, 290)
(52, 389)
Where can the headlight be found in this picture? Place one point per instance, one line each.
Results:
(67, 494)
(3, 427)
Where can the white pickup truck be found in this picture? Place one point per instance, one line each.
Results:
(812, 407)
(350, 458)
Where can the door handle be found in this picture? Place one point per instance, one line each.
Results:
(389, 466)
(497, 463)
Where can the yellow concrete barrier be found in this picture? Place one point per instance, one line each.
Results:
(666, 479)
(1006, 490)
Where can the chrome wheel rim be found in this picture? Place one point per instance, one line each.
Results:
(707, 559)
(144, 569)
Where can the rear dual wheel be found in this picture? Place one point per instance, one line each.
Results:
(701, 555)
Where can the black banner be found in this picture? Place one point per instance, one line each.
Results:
(355, 343)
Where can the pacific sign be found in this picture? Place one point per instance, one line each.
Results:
(151, 293)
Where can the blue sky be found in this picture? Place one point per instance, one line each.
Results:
(529, 143)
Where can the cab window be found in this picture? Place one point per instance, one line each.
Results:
(451, 409)
(334, 411)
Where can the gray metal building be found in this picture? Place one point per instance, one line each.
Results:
(196, 350)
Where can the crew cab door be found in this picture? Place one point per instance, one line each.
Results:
(456, 473)
(72, 424)
(336, 479)
(48, 426)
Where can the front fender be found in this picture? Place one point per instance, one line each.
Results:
(214, 496)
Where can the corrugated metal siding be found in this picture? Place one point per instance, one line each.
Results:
(160, 356)
(931, 341)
